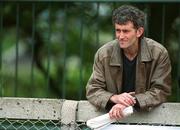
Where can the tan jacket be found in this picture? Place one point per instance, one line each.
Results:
(153, 74)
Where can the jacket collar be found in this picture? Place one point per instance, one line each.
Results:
(145, 53)
(116, 57)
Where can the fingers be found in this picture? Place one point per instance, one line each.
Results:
(127, 99)
(128, 102)
(133, 101)
(116, 112)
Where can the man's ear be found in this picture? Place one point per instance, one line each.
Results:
(140, 32)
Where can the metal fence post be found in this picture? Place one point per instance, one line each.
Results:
(1, 49)
(17, 48)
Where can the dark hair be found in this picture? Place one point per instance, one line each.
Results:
(126, 13)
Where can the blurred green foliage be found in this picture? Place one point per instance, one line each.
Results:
(56, 43)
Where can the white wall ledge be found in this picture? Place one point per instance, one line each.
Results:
(51, 109)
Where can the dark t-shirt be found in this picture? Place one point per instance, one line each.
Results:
(129, 74)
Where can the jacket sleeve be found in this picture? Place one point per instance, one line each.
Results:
(160, 84)
(96, 87)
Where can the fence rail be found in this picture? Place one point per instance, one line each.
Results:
(41, 113)
(52, 109)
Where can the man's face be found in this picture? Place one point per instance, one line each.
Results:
(127, 35)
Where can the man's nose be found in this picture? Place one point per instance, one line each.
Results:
(121, 35)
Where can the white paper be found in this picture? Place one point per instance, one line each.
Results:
(139, 127)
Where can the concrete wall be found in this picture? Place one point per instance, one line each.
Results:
(68, 111)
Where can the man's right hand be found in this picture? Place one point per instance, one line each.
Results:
(126, 99)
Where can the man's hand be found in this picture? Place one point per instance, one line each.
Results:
(125, 99)
(116, 111)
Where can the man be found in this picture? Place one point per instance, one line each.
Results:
(131, 70)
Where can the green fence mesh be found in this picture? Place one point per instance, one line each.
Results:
(26, 124)
(15, 124)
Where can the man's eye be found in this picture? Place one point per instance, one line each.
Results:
(125, 31)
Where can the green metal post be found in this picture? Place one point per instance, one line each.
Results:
(32, 47)
(65, 48)
(147, 12)
(163, 24)
(17, 49)
(81, 55)
(178, 67)
(1, 35)
(97, 26)
(49, 52)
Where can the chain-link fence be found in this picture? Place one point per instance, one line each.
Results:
(15, 124)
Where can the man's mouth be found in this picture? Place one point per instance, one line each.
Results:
(122, 42)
